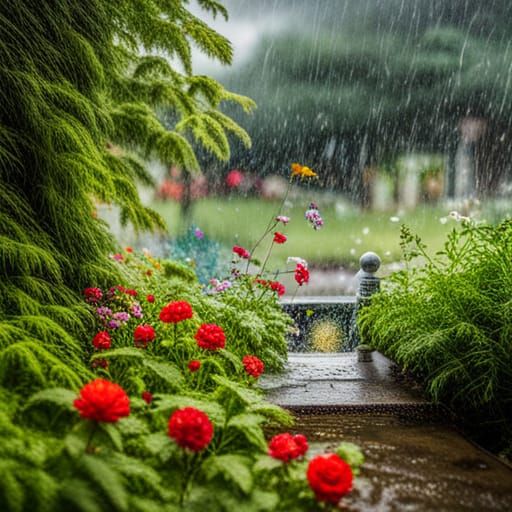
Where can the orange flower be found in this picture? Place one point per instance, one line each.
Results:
(302, 171)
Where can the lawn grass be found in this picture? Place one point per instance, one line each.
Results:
(341, 241)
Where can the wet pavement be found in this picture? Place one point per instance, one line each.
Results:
(415, 460)
(413, 465)
(337, 379)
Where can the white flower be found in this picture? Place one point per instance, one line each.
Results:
(394, 219)
(366, 231)
(443, 220)
(297, 260)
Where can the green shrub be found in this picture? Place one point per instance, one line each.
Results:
(449, 322)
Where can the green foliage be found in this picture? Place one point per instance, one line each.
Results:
(448, 322)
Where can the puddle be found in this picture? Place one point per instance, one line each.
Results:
(412, 466)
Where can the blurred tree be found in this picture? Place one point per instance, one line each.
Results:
(356, 82)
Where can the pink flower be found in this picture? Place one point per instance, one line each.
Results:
(234, 178)
(283, 218)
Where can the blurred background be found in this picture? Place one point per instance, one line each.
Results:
(402, 107)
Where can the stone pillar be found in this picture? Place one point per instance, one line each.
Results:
(369, 284)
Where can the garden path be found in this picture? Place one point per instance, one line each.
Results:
(415, 459)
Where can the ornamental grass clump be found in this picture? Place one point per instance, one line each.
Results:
(448, 322)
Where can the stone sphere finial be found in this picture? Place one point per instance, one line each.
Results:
(369, 262)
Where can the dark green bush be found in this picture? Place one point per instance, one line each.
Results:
(449, 322)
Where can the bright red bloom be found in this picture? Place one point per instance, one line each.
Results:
(129, 249)
(275, 286)
(234, 178)
(101, 400)
(176, 312)
(301, 274)
(147, 397)
(279, 238)
(210, 337)
(150, 298)
(93, 295)
(191, 428)
(278, 287)
(102, 341)
(253, 365)
(194, 365)
(330, 477)
(131, 292)
(143, 334)
(243, 253)
(286, 447)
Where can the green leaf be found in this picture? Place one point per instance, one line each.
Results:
(113, 434)
(247, 396)
(266, 463)
(168, 403)
(249, 425)
(234, 468)
(107, 479)
(273, 412)
(160, 445)
(232, 358)
(121, 353)
(58, 396)
(165, 371)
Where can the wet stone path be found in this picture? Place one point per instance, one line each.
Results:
(415, 460)
(338, 380)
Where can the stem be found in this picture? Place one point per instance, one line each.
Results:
(295, 294)
(271, 224)
(267, 257)
(88, 447)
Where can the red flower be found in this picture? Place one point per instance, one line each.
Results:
(330, 477)
(278, 287)
(93, 295)
(301, 274)
(147, 397)
(143, 334)
(150, 298)
(286, 447)
(102, 341)
(176, 312)
(243, 253)
(191, 428)
(253, 365)
(129, 249)
(101, 400)
(194, 365)
(102, 363)
(279, 238)
(210, 337)
(131, 292)
(234, 178)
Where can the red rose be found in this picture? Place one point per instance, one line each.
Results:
(330, 477)
(253, 365)
(279, 238)
(143, 334)
(194, 365)
(243, 253)
(93, 295)
(278, 287)
(191, 428)
(102, 341)
(147, 397)
(301, 274)
(210, 337)
(286, 447)
(101, 400)
(176, 312)
(150, 298)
